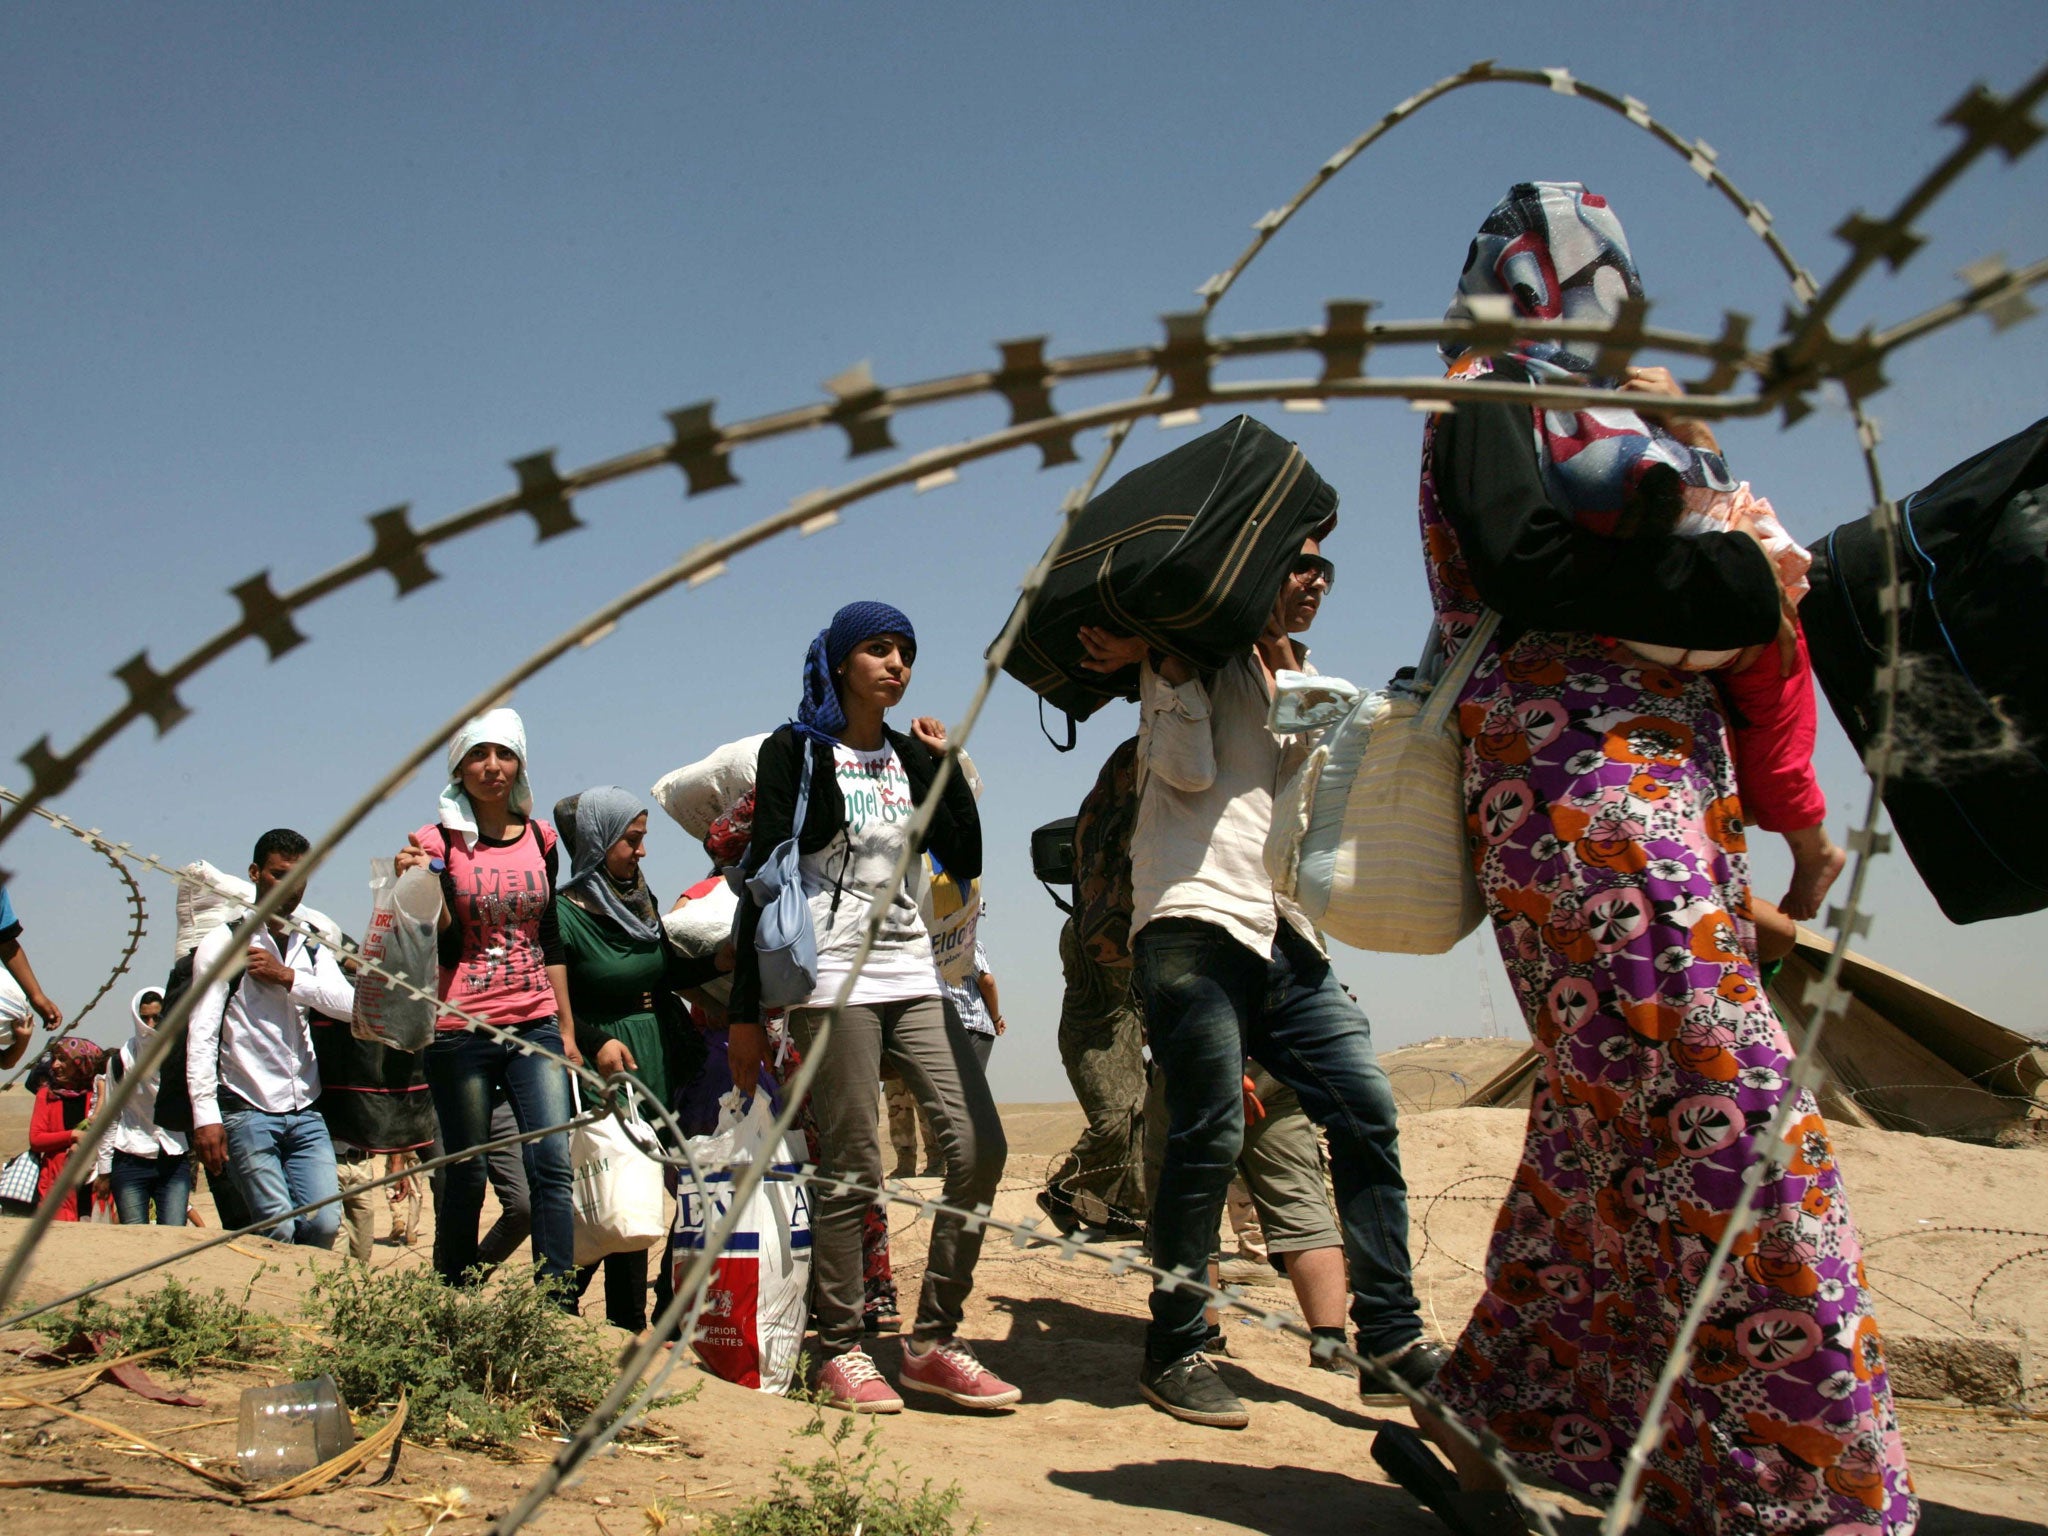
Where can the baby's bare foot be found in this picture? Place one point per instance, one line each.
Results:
(1816, 864)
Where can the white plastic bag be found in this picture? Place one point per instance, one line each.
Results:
(17, 1019)
(698, 793)
(618, 1189)
(702, 925)
(403, 938)
(756, 1302)
(208, 899)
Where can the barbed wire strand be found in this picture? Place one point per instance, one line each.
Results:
(138, 927)
(1982, 298)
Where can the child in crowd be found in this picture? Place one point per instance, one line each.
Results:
(1643, 474)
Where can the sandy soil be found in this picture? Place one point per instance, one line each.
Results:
(1083, 1452)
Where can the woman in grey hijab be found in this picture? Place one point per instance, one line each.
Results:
(623, 979)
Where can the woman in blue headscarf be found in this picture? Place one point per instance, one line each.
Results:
(623, 978)
(863, 782)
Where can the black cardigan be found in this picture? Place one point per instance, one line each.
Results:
(1536, 568)
(955, 834)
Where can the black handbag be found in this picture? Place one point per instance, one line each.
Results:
(1187, 552)
(1973, 687)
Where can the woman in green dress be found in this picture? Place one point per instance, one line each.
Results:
(623, 978)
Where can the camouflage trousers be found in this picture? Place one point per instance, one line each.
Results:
(1101, 1181)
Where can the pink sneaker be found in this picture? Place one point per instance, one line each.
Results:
(856, 1383)
(948, 1369)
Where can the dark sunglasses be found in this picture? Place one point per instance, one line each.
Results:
(1312, 567)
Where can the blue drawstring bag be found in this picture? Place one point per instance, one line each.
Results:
(785, 942)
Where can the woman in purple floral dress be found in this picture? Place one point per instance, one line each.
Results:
(1609, 846)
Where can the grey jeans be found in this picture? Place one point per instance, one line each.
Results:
(936, 1058)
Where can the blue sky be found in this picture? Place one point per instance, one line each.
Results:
(271, 269)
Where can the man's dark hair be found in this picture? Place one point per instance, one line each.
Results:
(284, 840)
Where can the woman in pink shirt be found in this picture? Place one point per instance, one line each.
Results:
(501, 962)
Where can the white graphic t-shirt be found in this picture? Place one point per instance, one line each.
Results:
(840, 880)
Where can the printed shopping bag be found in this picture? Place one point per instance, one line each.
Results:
(756, 1298)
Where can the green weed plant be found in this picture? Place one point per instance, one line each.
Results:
(847, 1491)
(191, 1328)
(481, 1366)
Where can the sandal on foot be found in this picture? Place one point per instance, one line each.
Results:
(1407, 1458)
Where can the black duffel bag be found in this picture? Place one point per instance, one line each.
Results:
(1188, 552)
(1972, 725)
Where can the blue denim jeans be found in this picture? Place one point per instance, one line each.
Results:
(139, 1182)
(1209, 1002)
(282, 1161)
(466, 1071)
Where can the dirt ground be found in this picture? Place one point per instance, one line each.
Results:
(1083, 1452)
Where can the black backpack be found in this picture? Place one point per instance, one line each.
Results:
(1188, 552)
(1971, 732)
(174, 1093)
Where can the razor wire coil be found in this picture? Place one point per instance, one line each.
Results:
(1785, 376)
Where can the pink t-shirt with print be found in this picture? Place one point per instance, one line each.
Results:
(501, 901)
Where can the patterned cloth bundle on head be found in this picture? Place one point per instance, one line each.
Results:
(819, 716)
(499, 728)
(1555, 251)
(731, 832)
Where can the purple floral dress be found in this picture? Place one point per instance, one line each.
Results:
(1609, 847)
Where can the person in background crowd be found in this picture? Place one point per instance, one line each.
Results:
(1608, 840)
(624, 975)
(250, 1066)
(906, 1118)
(864, 782)
(60, 1108)
(502, 962)
(505, 1170)
(15, 959)
(140, 1163)
(1281, 1170)
(377, 1108)
(1225, 968)
(952, 909)
(974, 1000)
(1100, 1185)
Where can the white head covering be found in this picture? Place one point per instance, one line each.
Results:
(501, 728)
(143, 1031)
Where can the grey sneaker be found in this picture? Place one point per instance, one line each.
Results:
(1191, 1390)
(1417, 1365)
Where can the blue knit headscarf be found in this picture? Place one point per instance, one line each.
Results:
(819, 715)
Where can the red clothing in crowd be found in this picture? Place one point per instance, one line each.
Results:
(52, 1128)
(1772, 726)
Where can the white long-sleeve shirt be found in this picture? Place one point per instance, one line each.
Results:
(1208, 772)
(136, 1131)
(257, 1043)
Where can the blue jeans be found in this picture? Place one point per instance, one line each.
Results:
(282, 1161)
(139, 1181)
(1209, 1002)
(466, 1071)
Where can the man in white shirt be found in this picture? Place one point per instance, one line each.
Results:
(1227, 968)
(250, 1062)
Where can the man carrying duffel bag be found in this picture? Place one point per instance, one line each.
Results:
(1226, 968)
